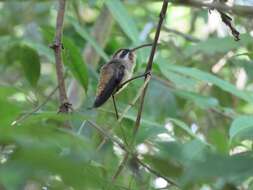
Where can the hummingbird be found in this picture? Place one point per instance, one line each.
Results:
(115, 74)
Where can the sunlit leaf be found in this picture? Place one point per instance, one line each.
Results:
(203, 102)
(183, 127)
(214, 166)
(85, 35)
(9, 109)
(125, 21)
(74, 60)
(210, 46)
(166, 167)
(241, 127)
(29, 60)
(207, 77)
(31, 64)
(41, 49)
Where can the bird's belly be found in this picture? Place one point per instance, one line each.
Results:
(127, 76)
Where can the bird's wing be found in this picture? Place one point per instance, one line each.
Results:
(111, 75)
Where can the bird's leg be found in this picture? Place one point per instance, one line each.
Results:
(133, 78)
(117, 117)
(115, 107)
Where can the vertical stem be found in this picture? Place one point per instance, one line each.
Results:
(147, 78)
(115, 107)
(57, 47)
(150, 63)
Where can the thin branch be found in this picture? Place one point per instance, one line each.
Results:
(133, 102)
(150, 62)
(221, 8)
(223, 114)
(121, 167)
(151, 170)
(108, 135)
(236, 9)
(183, 35)
(57, 47)
(123, 147)
(228, 21)
(122, 115)
(131, 79)
(101, 31)
(125, 159)
(25, 116)
(119, 119)
(115, 107)
(148, 69)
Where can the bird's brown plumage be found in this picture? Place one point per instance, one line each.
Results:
(111, 75)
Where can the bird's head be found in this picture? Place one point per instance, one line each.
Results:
(125, 54)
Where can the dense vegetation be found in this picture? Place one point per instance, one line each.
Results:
(196, 127)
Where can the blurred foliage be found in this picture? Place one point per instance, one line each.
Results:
(197, 123)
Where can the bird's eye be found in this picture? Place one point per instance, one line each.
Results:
(123, 53)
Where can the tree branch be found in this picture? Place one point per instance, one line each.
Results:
(101, 31)
(228, 21)
(215, 110)
(150, 63)
(148, 69)
(124, 112)
(183, 35)
(128, 152)
(57, 47)
(25, 116)
(236, 9)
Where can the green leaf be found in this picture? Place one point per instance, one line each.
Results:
(85, 35)
(167, 102)
(207, 77)
(149, 128)
(73, 59)
(203, 102)
(41, 49)
(210, 46)
(74, 172)
(200, 163)
(193, 150)
(43, 150)
(219, 139)
(241, 127)
(12, 55)
(12, 177)
(184, 127)
(247, 65)
(9, 109)
(214, 166)
(173, 157)
(8, 41)
(166, 167)
(182, 82)
(125, 20)
(30, 61)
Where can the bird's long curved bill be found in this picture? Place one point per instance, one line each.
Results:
(141, 46)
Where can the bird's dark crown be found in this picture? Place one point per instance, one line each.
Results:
(121, 53)
(125, 54)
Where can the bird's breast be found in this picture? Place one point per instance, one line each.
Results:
(128, 73)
